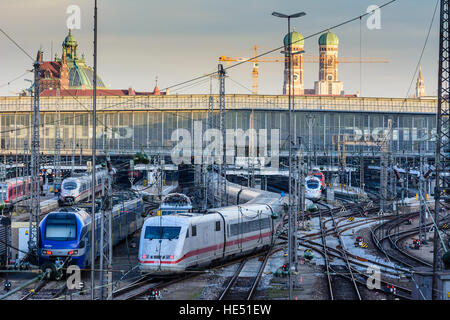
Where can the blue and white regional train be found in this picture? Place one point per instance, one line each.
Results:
(174, 243)
(76, 189)
(65, 234)
(313, 189)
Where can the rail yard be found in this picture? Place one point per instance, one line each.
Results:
(309, 195)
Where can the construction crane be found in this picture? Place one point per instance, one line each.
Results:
(306, 59)
(255, 62)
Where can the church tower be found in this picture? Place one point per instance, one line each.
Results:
(297, 44)
(70, 46)
(420, 85)
(328, 83)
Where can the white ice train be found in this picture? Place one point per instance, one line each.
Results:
(313, 190)
(172, 244)
(76, 189)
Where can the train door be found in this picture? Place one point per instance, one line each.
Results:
(158, 255)
(240, 228)
(260, 227)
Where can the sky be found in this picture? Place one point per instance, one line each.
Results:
(178, 40)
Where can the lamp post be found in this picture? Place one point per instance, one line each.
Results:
(292, 243)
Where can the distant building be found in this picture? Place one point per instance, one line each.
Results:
(420, 85)
(328, 83)
(296, 72)
(71, 76)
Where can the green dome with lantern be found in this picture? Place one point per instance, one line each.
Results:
(69, 40)
(81, 76)
(328, 39)
(296, 39)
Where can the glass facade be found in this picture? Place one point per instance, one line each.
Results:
(129, 124)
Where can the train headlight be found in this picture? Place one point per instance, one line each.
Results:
(144, 256)
(47, 252)
(72, 252)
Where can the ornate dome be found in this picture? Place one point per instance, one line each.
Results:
(296, 39)
(82, 76)
(328, 39)
(69, 40)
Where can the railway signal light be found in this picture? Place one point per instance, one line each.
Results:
(7, 285)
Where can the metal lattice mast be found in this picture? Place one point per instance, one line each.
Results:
(106, 234)
(222, 166)
(442, 132)
(211, 126)
(94, 151)
(292, 225)
(361, 171)
(35, 211)
(392, 182)
(384, 164)
(422, 212)
(310, 127)
(57, 159)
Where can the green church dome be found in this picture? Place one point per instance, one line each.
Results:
(296, 39)
(328, 39)
(81, 76)
(69, 40)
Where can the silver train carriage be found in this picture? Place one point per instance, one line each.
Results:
(77, 189)
(175, 243)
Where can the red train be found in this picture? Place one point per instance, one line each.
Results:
(16, 189)
(318, 174)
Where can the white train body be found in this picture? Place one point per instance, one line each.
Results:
(76, 189)
(173, 243)
(313, 190)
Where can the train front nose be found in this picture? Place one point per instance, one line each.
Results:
(67, 196)
(159, 257)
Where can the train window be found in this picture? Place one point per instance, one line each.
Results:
(194, 231)
(156, 232)
(187, 233)
(61, 228)
(217, 225)
(3, 189)
(70, 185)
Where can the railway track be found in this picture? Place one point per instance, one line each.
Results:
(45, 290)
(243, 288)
(341, 293)
(387, 243)
(355, 279)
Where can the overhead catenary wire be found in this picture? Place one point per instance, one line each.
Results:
(17, 45)
(282, 47)
(423, 48)
(16, 78)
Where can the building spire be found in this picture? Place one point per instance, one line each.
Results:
(156, 89)
(420, 85)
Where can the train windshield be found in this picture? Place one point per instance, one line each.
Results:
(3, 188)
(70, 185)
(155, 232)
(61, 228)
(312, 184)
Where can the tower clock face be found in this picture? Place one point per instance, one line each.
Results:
(296, 77)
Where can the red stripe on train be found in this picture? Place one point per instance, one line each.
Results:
(211, 248)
